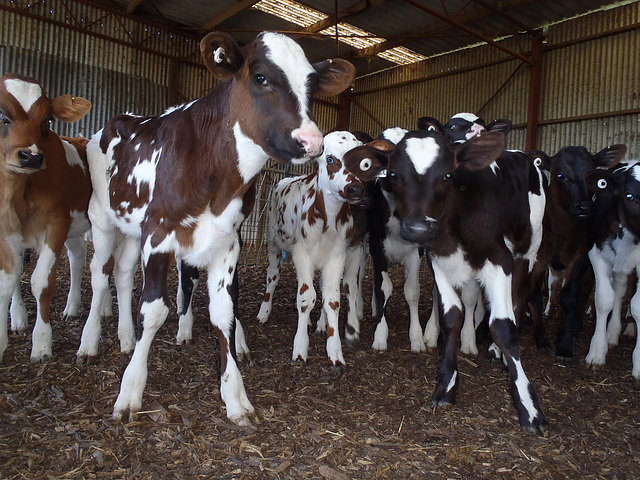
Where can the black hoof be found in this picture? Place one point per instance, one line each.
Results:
(563, 360)
(537, 428)
(352, 342)
(338, 369)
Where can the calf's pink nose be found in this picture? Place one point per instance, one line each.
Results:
(476, 129)
(311, 139)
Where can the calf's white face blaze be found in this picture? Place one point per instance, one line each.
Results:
(423, 153)
(26, 93)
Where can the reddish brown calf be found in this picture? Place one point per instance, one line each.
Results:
(45, 188)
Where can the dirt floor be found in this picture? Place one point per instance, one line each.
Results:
(373, 421)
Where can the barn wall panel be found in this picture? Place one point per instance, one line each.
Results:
(442, 97)
(590, 86)
(115, 77)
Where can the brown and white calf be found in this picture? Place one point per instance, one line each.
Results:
(310, 216)
(45, 188)
(178, 184)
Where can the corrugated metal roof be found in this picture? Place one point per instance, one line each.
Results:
(427, 27)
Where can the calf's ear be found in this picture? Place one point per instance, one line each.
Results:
(540, 159)
(430, 123)
(500, 125)
(335, 75)
(70, 109)
(383, 145)
(481, 150)
(221, 54)
(610, 156)
(600, 181)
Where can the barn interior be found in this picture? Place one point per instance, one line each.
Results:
(565, 73)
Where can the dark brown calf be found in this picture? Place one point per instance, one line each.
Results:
(566, 240)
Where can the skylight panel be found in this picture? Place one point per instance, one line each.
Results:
(357, 38)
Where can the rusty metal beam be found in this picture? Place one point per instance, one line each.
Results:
(504, 84)
(535, 80)
(430, 31)
(70, 26)
(500, 11)
(133, 4)
(469, 30)
(351, 11)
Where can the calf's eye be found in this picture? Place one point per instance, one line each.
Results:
(261, 79)
(601, 184)
(365, 164)
(331, 159)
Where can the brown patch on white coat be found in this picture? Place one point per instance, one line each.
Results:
(182, 183)
(310, 217)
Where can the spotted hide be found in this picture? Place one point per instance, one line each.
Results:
(45, 188)
(310, 217)
(180, 184)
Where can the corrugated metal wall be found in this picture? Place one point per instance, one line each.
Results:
(590, 93)
(590, 86)
(122, 65)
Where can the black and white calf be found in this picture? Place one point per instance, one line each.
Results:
(464, 126)
(476, 220)
(460, 128)
(386, 244)
(615, 227)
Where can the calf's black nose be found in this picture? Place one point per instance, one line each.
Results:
(30, 160)
(583, 209)
(418, 230)
(354, 192)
